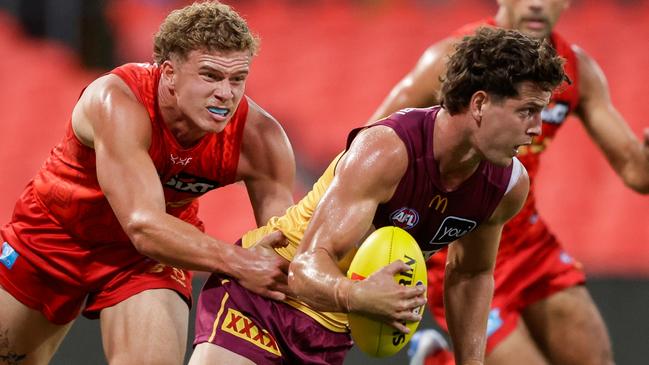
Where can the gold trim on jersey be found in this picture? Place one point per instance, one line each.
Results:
(293, 224)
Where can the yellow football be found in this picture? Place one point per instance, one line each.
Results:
(382, 247)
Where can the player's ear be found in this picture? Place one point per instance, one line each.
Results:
(477, 102)
(168, 74)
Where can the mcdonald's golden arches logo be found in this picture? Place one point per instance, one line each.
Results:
(439, 202)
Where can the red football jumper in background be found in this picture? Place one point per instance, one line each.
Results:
(531, 263)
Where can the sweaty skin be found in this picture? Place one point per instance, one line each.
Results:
(368, 175)
(570, 310)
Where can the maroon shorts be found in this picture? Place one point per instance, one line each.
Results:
(263, 330)
(531, 266)
(47, 270)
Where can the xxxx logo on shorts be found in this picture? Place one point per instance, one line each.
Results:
(241, 326)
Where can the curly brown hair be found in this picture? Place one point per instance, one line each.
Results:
(497, 61)
(208, 25)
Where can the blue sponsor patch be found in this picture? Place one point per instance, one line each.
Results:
(8, 256)
(494, 322)
(566, 258)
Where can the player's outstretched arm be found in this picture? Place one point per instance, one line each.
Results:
(366, 176)
(628, 156)
(266, 165)
(420, 86)
(469, 278)
(110, 119)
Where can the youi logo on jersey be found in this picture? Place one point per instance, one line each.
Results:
(405, 218)
(453, 228)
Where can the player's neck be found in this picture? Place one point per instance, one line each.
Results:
(456, 157)
(181, 128)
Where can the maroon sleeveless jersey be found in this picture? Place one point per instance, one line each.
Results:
(420, 205)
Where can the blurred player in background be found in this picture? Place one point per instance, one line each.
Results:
(445, 174)
(541, 312)
(109, 226)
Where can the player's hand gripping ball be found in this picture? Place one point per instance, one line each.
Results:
(382, 247)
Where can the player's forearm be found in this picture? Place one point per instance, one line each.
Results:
(174, 242)
(630, 160)
(628, 156)
(635, 172)
(315, 279)
(467, 299)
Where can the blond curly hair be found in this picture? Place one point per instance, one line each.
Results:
(208, 26)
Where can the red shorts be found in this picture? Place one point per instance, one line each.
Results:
(263, 330)
(531, 265)
(49, 271)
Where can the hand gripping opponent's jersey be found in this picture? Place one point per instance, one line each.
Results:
(432, 216)
(562, 103)
(67, 183)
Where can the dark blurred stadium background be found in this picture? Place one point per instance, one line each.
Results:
(324, 66)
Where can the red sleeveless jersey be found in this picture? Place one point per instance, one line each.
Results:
(67, 183)
(563, 102)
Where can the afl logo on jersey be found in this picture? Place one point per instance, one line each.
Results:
(405, 218)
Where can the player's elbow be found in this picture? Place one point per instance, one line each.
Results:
(635, 174)
(139, 228)
(638, 185)
(640, 188)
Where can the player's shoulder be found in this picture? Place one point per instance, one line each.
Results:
(518, 176)
(409, 120)
(263, 136)
(376, 160)
(591, 77)
(98, 104)
(440, 50)
(258, 119)
(515, 194)
(381, 146)
(583, 58)
(381, 135)
(106, 89)
(261, 128)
